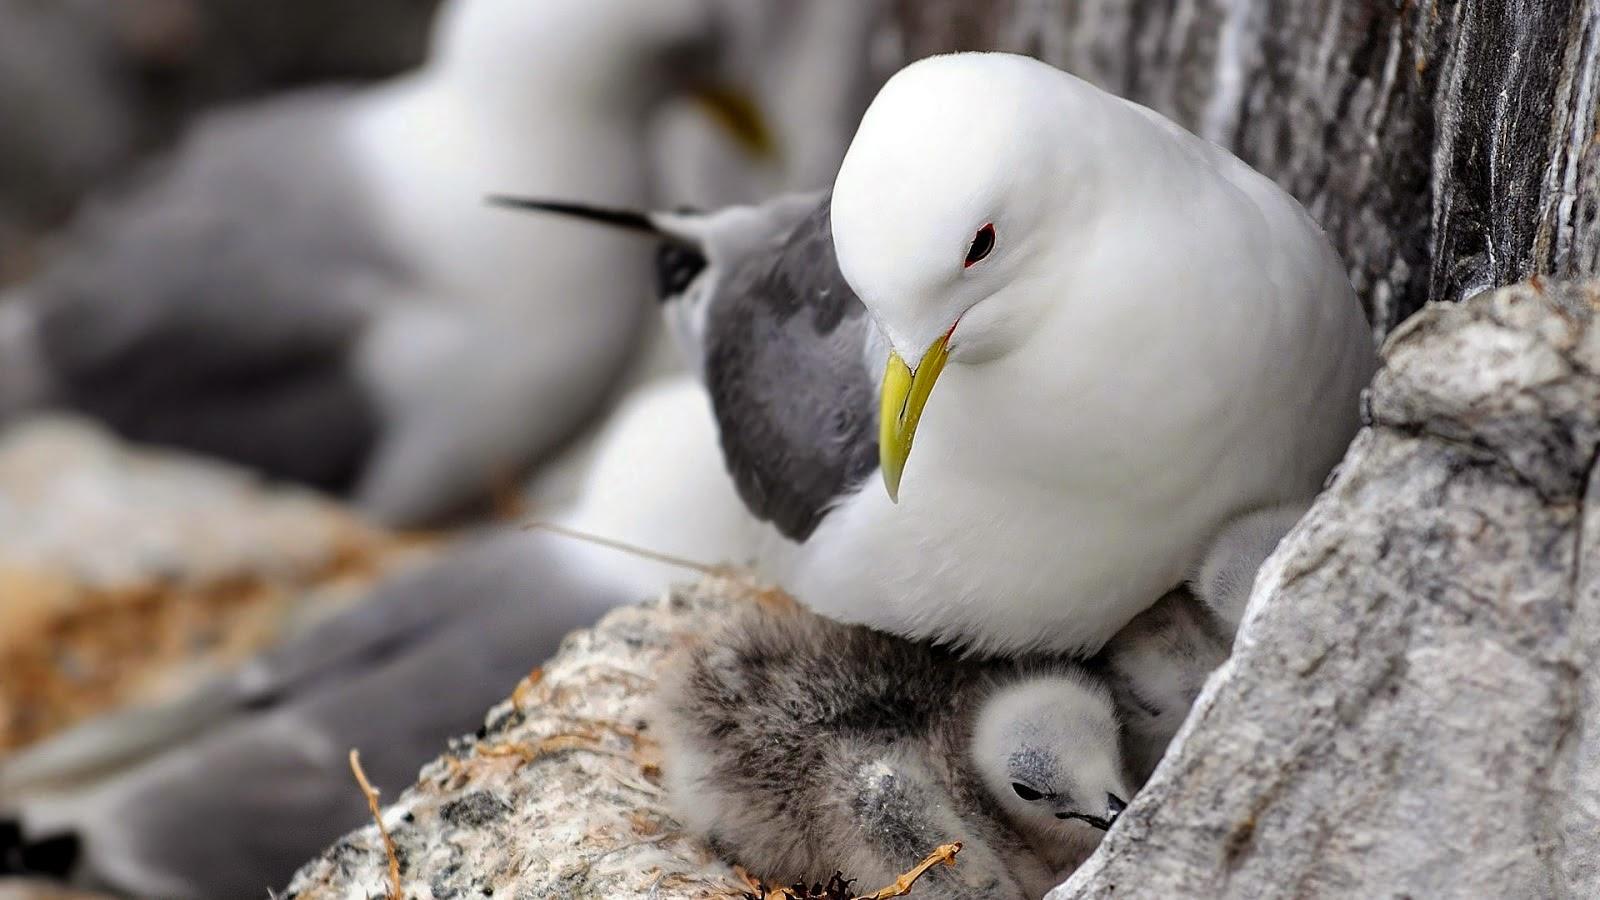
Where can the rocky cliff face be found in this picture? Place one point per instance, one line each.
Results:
(1413, 705)
(1447, 147)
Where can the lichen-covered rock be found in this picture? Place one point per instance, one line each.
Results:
(559, 795)
(1413, 704)
(125, 574)
(1445, 146)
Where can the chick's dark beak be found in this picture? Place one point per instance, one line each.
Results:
(677, 266)
(1114, 807)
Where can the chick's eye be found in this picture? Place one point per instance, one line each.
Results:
(1025, 792)
(982, 243)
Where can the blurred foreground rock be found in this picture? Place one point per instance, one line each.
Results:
(125, 575)
(1413, 708)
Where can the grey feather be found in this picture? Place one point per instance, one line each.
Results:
(1227, 572)
(231, 808)
(99, 83)
(1157, 665)
(784, 361)
(798, 746)
(757, 303)
(213, 308)
(58, 76)
(1159, 662)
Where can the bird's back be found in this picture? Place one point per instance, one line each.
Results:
(211, 306)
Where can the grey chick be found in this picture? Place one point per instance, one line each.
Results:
(1158, 663)
(226, 793)
(797, 747)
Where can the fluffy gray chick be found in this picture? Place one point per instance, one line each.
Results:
(797, 747)
(1158, 663)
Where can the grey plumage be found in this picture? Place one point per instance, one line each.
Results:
(779, 339)
(87, 86)
(214, 307)
(1158, 663)
(1227, 572)
(783, 357)
(1156, 666)
(797, 746)
(226, 793)
(56, 76)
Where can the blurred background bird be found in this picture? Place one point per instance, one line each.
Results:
(313, 287)
(259, 235)
(100, 84)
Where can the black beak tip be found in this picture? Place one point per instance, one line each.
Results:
(677, 266)
(1114, 807)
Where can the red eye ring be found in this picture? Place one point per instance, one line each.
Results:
(982, 245)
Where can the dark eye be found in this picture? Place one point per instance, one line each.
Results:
(1025, 792)
(982, 243)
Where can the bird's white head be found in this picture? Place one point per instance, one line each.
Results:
(966, 172)
(620, 54)
(1048, 749)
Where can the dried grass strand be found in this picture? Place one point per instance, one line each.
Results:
(945, 855)
(624, 547)
(388, 843)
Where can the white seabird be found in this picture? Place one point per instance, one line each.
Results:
(1121, 338)
(314, 287)
(1140, 338)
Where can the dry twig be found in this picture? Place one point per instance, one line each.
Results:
(520, 695)
(383, 831)
(837, 887)
(902, 885)
(623, 547)
(553, 744)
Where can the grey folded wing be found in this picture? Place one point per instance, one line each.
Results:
(214, 307)
(786, 365)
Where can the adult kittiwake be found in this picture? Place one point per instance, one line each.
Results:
(313, 287)
(1107, 337)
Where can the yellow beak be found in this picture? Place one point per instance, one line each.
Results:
(905, 393)
(739, 115)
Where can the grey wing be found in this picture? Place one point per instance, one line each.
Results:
(214, 307)
(785, 364)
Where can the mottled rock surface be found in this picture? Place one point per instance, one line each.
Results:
(1413, 704)
(1445, 146)
(559, 796)
(125, 574)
